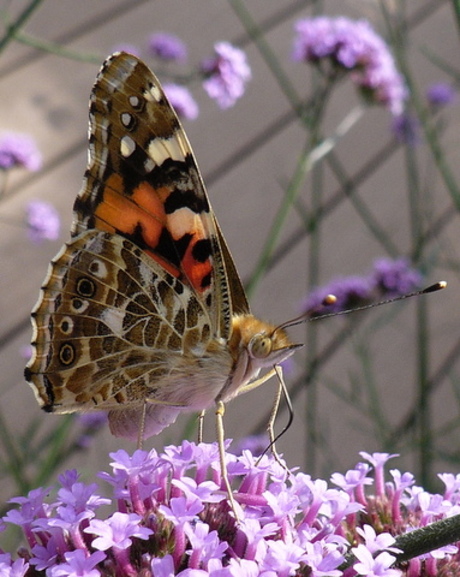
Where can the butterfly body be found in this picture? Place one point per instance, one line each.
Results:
(142, 312)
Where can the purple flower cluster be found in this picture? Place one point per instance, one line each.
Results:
(19, 150)
(389, 278)
(353, 47)
(440, 94)
(173, 518)
(182, 101)
(227, 74)
(167, 47)
(42, 221)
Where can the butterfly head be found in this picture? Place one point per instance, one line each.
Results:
(265, 344)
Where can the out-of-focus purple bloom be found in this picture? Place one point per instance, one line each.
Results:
(42, 220)
(406, 128)
(350, 292)
(26, 351)
(395, 277)
(182, 101)
(227, 74)
(167, 47)
(19, 150)
(354, 47)
(174, 521)
(389, 278)
(90, 424)
(440, 94)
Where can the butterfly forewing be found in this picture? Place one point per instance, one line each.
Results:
(143, 183)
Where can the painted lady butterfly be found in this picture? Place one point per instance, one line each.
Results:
(143, 313)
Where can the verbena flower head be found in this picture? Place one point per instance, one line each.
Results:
(43, 221)
(352, 46)
(227, 74)
(19, 150)
(182, 101)
(440, 94)
(395, 277)
(169, 516)
(167, 47)
(389, 278)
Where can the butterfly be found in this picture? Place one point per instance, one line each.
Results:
(142, 313)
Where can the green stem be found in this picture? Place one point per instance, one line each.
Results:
(256, 34)
(456, 9)
(13, 28)
(421, 541)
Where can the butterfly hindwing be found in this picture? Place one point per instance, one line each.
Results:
(109, 326)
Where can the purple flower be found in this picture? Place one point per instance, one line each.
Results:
(167, 47)
(19, 150)
(42, 220)
(351, 292)
(395, 277)
(440, 94)
(389, 278)
(281, 558)
(226, 74)
(376, 542)
(352, 46)
(182, 101)
(78, 565)
(289, 525)
(9, 568)
(117, 531)
(380, 566)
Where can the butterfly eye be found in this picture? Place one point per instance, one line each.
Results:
(260, 346)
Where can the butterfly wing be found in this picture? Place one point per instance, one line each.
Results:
(143, 183)
(147, 278)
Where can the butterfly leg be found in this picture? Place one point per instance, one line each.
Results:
(200, 426)
(255, 384)
(140, 436)
(271, 421)
(220, 410)
(277, 370)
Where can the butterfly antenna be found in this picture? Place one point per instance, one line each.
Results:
(430, 289)
(315, 314)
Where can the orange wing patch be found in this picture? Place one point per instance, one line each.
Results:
(178, 241)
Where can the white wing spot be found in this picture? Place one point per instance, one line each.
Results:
(155, 92)
(127, 146)
(134, 101)
(126, 119)
(161, 149)
(98, 268)
(149, 165)
(114, 320)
